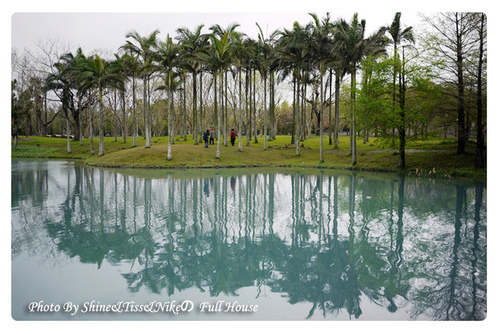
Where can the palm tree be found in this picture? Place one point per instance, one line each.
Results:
(144, 47)
(192, 43)
(131, 67)
(294, 53)
(100, 74)
(62, 81)
(353, 46)
(167, 57)
(217, 58)
(322, 41)
(265, 50)
(233, 36)
(398, 35)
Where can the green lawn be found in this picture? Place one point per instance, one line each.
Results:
(427, 155)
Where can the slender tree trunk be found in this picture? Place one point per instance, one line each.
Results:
(294, 113)
(80, 126)
(133, 112)
(330, 139)
(265, 112)
(124, 117)
(91, 127)
(115, 111)
(337, 110)
(461, 88)
(321, 157)
(184, 121)
(247, 109)
(240, 146)
(353, 117)
(169, 123)
(254, 109)
(195, 112)
(68, 130)
(101, 123)
(480, 136)
(203, 120)
(297, 128)
(216, 112)
(272, 115)
(224, 106)
(146, 117)
(402, 127)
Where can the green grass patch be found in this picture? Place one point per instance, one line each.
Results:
(435, 155)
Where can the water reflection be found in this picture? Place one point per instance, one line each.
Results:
(325, 238)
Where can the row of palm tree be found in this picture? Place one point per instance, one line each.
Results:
(306, 56)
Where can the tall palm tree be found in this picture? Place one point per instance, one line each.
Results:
(100, 74)
(131, 67)
(265, 51)
(232, 37)
(144, 47)
(295, 50)
(62, 82)
(322, 40)
(217, 59)
(167, 57)
(398, 36)
(353, 46)
(192, 43)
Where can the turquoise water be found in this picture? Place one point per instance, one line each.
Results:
(92, 244)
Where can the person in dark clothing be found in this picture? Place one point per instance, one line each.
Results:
(212, 136)
(233, 137)
(206, 134)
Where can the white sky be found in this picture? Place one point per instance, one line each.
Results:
(106, 29)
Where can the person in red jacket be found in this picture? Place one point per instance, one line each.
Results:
(233, 137)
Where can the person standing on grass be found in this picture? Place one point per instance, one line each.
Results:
(233, 137)
(205, 138)
(212, 136)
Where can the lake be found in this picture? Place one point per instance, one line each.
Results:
(244, 244)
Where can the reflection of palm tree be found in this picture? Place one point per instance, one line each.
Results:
(317, 264)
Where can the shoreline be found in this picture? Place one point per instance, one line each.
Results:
(424, 159)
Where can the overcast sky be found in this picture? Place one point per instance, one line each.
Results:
(106, 30)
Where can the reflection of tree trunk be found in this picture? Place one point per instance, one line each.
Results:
(271, 202)
(461, 192)
(399, 233)
(475, 249)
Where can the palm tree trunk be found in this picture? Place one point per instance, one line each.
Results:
(169, 124)
(217, 113)
(337, 110)
(68, 148)
(133, 112)
(297, 123)
(265, 113)
(115, 111)
(330, 140)
(80, 126)
(101, 123)
(321, 158)
(248, 128)
(254, 110)
(124, 120)
(353, 118)
(91, 127)
(240, 148)
(146, 118)
(195, 112)
(223, 100)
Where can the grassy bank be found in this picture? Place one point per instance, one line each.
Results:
(435, 157)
